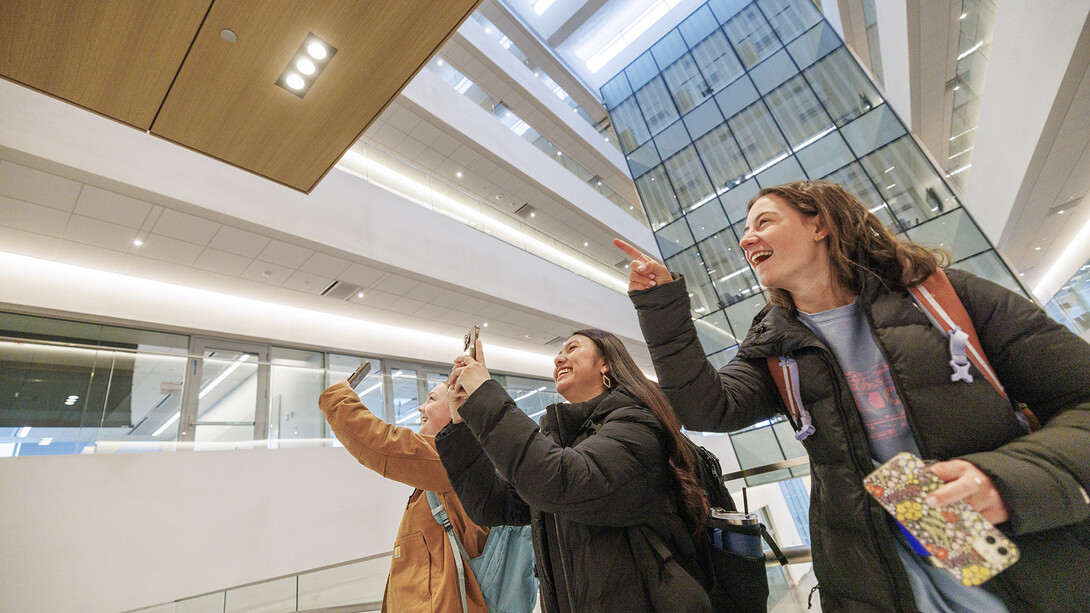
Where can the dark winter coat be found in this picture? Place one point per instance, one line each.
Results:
(1042, 477)
(592, 481)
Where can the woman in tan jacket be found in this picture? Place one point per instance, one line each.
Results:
(423, 574)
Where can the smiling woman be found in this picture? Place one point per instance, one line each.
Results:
(604, 477)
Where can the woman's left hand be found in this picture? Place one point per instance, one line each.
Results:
(468, 374)
(964, 481)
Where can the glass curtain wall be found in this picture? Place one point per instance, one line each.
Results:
(746, 95)
(69, 387)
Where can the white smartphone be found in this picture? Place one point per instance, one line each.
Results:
(361, 373)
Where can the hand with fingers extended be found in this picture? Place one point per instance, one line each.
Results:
(964, 481)
(455, 399)
(643, 272)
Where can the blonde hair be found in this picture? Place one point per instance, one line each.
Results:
(857, 239)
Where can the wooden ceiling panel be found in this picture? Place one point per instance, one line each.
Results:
(114, 57)
(225, 101)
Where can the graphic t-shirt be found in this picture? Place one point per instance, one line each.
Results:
(845, 332)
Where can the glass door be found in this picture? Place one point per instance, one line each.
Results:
(225, 402)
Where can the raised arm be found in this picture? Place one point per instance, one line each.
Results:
(393, 452)
(488, 499)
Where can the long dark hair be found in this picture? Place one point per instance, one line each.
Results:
(624, 372)
(857, 238)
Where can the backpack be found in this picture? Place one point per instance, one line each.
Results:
(938, 300)
(505, 569)
(735, 582)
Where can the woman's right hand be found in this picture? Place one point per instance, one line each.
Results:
(643, 272)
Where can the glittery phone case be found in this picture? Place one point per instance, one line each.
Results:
(957, 536)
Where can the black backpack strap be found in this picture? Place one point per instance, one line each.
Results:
(772, 545)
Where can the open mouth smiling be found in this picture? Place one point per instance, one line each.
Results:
(759, 256)
(560, 372)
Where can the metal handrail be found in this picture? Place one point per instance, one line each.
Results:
(799, 554)
(767, 468)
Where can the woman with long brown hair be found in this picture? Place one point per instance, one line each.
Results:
(605, 482)
(874, 378)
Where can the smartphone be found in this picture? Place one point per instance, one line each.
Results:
(958, 538)
(360, 374)
(470, 342)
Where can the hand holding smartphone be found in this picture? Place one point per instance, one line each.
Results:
(958, 538)
(469, 346)
(361, 373)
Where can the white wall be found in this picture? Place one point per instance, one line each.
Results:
(117, 532)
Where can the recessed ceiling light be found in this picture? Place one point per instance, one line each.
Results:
(439, 62)
(485, 324)
(317, 50)
(305, 66)
(359, 295)
(295, 82)
(586, 244)
(532, 213)
(458, 174)
(1036, 248)
(137, 242)
(228, 36)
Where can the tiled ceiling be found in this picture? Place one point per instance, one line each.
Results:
(59, 214)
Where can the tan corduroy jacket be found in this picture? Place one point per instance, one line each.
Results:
(423, 575)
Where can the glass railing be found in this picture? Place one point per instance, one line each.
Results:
(1071, 304)
(78, 397)
(353, 587)
(464, 86)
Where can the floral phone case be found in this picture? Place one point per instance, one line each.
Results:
(957, 536)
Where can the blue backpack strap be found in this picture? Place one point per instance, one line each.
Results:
(440, 515)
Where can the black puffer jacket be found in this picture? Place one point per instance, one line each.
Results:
(591, 482)
(1042, 477)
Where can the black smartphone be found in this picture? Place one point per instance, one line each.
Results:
(360, 374)
(470, 342)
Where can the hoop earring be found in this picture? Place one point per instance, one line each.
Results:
(606, 381)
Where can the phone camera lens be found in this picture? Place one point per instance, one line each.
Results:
(1002, 551)
(990, 540)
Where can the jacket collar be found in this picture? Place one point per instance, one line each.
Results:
(565, 420)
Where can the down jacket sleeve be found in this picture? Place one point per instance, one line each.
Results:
(599, 481)
(487, 498)
(1042, 477)
(393, 452)
(740, 394)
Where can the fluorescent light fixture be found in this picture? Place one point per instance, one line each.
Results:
(767, 165)
(230, 369)
(408, 416)
(963, 168)
(970, 50)
(305, 66)
(733, 274)
(463, 85)
(167, 424)
(814, 138)
(46, 441)
(526, 395)
(962, 133)
(25, 430)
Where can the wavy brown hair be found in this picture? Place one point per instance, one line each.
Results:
(857, 239)
(623, 371)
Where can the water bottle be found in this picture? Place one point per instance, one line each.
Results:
(745, 538)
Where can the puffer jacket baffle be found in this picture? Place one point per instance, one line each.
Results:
(591, 482)
(423, 576)
(1042, 477)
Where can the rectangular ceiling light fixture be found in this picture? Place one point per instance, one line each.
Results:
(305, 66)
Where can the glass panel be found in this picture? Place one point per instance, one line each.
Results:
(737, 199)
(642, 70)
(773, 71)
(688, 177)
(784, 171)
(370, 390)
(296, 380)
(674, 238)
(629, 124)
(669, 48)
(701, 293)
(818, 42)
(989, 266)
(955, 232)
(339, 586)
(724, 10)
(616, 90)
(703, 118)
(786, 436)
(853, 179)
(756, 447)
(719, 360)
(908, 182)
(658, 107)
(741, 314)
(406, 397)
(714, 332)
(227, 400)
(269, 597)
(722, 157)
(751, 36)
(643, 159)
(726, 263)
(790, 17)
(842, 86)
(824, 155)
(872, 130)
(797, 111)
(685, 83)
(209, 603)
(757, 135)
(738, 96)
(698, 26)
(717, 61)
(658, 197)
(532, 395)
(672, 139)
(706, 220)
